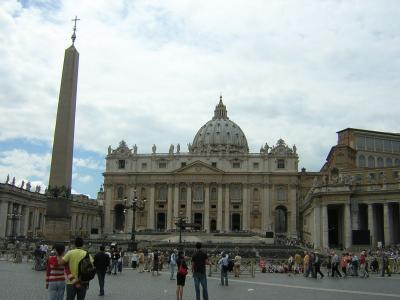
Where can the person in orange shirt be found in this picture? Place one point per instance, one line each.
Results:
(306, 261)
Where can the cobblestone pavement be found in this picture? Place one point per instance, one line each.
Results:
(19, 281)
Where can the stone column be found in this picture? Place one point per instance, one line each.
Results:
(189, 203)
(293, 210)
(18, 221)
(176, 205)
(129, 213)
(26, 221)
(9, 221)
(219, 208)
(347, 226)
(371, 224)
(3, 218)
(207, 208)
(170, 207)
(317, 228)
(73, 224)
(245, 209)
(266, 214)
(150, 220)
(387, 225)
(227, 205)
(325, 231)
(107, 209)
(355, 220)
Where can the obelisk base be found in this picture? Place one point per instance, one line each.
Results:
(58, 220)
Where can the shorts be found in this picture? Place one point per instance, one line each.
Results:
(180, 279)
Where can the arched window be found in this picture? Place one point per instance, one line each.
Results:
(361, 161)
(280, 193)
(380, 162)
(120, 193)
(389, 162)
(280, 219)
(371, 162)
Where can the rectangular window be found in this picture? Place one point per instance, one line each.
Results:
(396, 174)
(214, 164)
(161, 206)
(236, 206)
(198, 193)
(235, 193)
(387, 146)
(183, 205)
(256, 166)
(162, 165)
(370, 143)
(162, 193)
(281, 193)
(213, 206)
(236, 165)
(396, 147)
(144, 166)
(281, 163)
(360, 142)
(121, 164)
(379, 145)
(183, 164)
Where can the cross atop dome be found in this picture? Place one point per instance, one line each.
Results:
(220, 111)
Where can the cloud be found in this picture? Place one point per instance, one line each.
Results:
(151, 72)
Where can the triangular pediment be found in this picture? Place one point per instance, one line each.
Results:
(198, 167)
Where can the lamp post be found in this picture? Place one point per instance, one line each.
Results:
(13, 216)
(135, 205)
(181, 223)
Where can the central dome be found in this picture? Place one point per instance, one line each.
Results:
(220, 135)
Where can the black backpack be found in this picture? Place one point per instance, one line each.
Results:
(86, 270)
(230, 265)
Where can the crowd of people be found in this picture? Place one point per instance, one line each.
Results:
(72, 270)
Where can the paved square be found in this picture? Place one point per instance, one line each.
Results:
(19, 281)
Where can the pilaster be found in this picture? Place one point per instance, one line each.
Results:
(189, 203)
(170, 207)
(325, 231)
(176, 204)
(150, 221)
(207, 208)
(227, 206)
(219, 208)
(245, 207)
(347, 226)
(371, 224)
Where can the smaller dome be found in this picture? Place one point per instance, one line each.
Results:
(220, 135)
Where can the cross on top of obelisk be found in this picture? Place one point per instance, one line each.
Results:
(73, 37)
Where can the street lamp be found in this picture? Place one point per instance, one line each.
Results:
(14, 216)
(181, 223)
(135, 205)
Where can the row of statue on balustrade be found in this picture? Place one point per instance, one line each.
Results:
(26, 186)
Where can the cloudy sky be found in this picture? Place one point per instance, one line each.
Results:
(152, 72)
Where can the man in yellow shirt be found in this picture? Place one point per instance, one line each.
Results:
(72, 258)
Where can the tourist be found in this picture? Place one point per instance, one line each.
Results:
(141, 261)
(72, 259)
(156, 262)
(236, 266)
(172, 264)
(335, 264)
(115, 256)
(364, 264)
(290, 263)
(385, 265)
(134, 260)
(317, 266)
(297, 263)
(343, 263)
(55, 274)
(108, 253)
(199, 262)
(180, 275)
(101, 262)
(120, 259)
(161, 261)
(223, 266)
(306, 261)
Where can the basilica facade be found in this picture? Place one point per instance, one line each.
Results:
(217, 184)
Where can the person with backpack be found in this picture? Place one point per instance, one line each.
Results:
(223, 265)
(172, 264)
(180, 275)
(80, 262)
(101, 262)
(56, 273)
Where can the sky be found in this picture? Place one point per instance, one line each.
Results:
(151, 72)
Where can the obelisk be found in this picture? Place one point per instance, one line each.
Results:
(58, 214)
